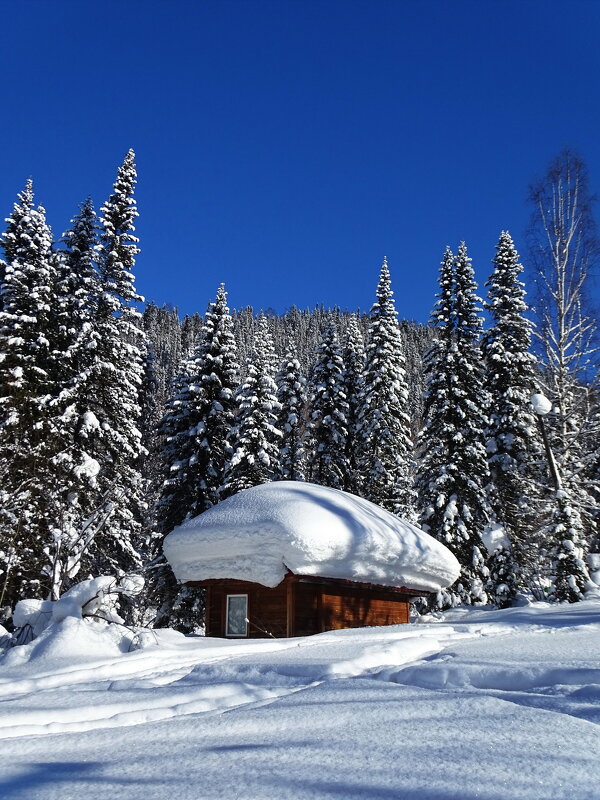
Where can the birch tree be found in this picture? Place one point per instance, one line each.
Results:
(564, 249)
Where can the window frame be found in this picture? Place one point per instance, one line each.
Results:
(235, 635)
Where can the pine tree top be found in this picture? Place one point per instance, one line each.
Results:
(468, 321)
(117, 241)
(17, 238)
(384, 305)
(384, 350)
(442, 315)
(506, 293)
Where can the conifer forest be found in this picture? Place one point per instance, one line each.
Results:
(119, 420)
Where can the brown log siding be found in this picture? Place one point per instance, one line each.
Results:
(302, 606)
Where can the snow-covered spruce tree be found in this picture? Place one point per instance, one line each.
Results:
(213, 371)
(327, 416)
(512, 436)
(80, 508)
(27, 369)
(565, 535)
(434, 481)
(353, 355)
(190, 330)
(593, 469)
(383, 424)
(176, 493)
(151, 414)
(163, 360)
(254, 439)
(502, 583)
(194, 431)
(77, 288)
(161, 588)
(567, 551)
(291, 396)
(113, 383)
(453, 472)
(417, 339)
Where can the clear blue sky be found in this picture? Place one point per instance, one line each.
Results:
(285, 147)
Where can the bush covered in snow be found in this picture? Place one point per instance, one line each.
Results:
(95, 600)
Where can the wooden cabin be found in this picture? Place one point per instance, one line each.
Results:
(299, 606)
(293, 559)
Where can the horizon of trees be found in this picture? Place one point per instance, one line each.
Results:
(117, 425)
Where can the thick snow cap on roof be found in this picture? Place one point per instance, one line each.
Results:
(260, 533)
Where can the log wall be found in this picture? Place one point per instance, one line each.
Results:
(302, 606)
(267, 608)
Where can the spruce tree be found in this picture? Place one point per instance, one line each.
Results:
(567, 551)
(434, 480)
(163, 360)
(113, 383)
(190, 330)
(327, 418)
(291, 396)
(254, 439)
(453, 472)
(592, 472)
(353, 354)
(75, 337)
(511, 433)
(383, 424)
(77, 287)
(194, 429)
(174, 501)
(566, 540)
(177, 492)
(27, 369)
(503, 580)
(214, 372)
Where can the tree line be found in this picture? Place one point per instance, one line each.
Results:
(119, 425)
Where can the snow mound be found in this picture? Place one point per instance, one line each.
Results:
(260, 533)
(494, 537)
(541, 404)
(70, 641)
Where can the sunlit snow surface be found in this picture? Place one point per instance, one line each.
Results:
(311, 530)
(501, 705)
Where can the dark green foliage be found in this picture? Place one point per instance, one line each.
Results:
(568, 551)
(254, 439)
(327, 418)
(113, 382)
(512, 438)
(291, 396)
(194, 431)
(503, 581)
(453, 471)
(383, 424)
(353, 355)
(27, 367)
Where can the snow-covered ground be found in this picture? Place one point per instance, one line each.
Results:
(486, 704)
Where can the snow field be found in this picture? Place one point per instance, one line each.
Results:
(494, 705)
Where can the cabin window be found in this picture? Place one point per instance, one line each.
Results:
(237, 615)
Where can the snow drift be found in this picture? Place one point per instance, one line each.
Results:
(260, 533)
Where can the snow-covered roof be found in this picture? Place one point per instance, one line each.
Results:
(260, 533)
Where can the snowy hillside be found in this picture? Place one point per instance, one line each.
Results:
(499, 705)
